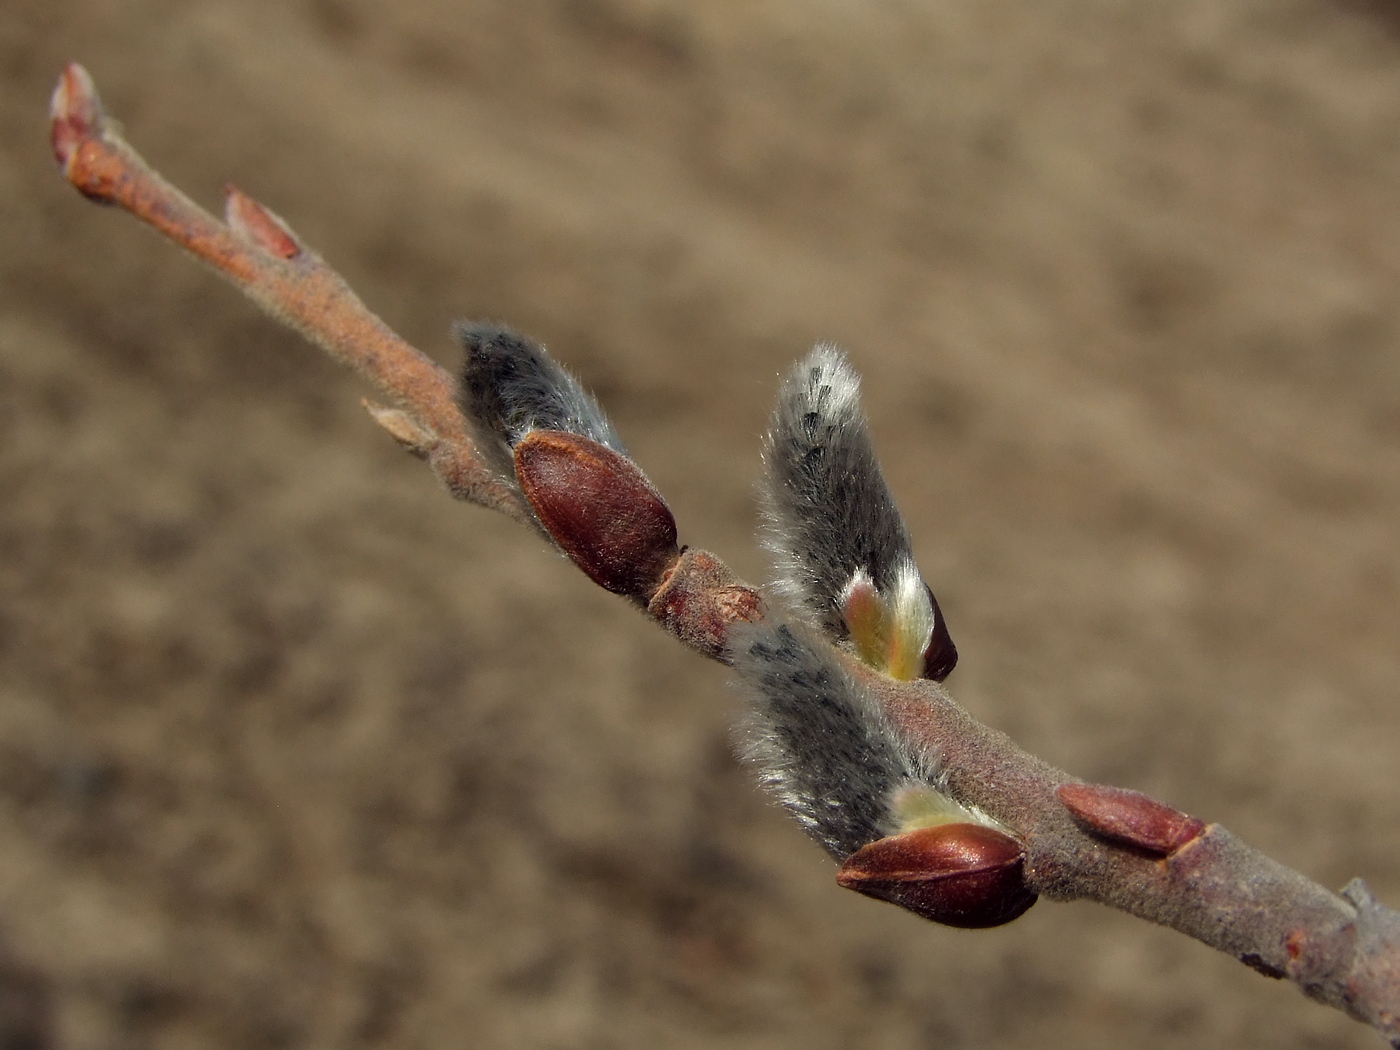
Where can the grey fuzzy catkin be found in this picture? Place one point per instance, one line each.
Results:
(826, 506)
(820, 742)
(511, 386)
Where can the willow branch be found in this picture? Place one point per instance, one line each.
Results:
(259, 253)
(1080, 841)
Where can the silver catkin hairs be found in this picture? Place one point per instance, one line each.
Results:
(843, 555)
(818, 740)
(511, 386)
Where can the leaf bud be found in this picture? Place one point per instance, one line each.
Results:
(600, 509)
(1129, 817)
(259, 226)
(965, 875)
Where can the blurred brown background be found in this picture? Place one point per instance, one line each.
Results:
(296, 752)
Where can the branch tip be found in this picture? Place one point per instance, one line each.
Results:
(75, 113)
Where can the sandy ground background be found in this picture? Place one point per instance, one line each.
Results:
(296, 752)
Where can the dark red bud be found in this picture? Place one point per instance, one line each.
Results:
(600, 509)
(1129, 817)
(966, 875)
(941, 656)
(254, 223)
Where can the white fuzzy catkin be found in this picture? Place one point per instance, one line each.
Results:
(822, 745)
(818, 738)
(828, 513)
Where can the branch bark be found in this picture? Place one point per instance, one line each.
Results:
(1082, 842)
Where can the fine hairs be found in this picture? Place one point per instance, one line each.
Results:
(831, 523)
(828, 510)
(818, 740)
(511, 386)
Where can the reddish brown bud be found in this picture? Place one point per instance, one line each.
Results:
(966, 875)
(75, 113)
(1129, 817)
(600, 509)
(254, 223)
(941, 656)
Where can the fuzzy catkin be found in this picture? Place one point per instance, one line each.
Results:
(819, 741)
(511, 386)
(828, 512)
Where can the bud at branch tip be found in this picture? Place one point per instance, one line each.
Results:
(75, 113)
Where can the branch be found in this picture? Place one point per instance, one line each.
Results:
(261, 255)
(1005, 826)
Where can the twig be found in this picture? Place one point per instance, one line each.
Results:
(1070, 840)
(260, 254)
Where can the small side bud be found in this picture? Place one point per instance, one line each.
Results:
(255, 224)
(1129, 817)
(75, 113)
(402, 427)
(965, 875)
(600, 509)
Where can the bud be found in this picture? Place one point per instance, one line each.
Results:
(75, 113)
(818, 738)
(941, 656)
(600, 509)
(965, 875)
(254, 223)
(1129, 817)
